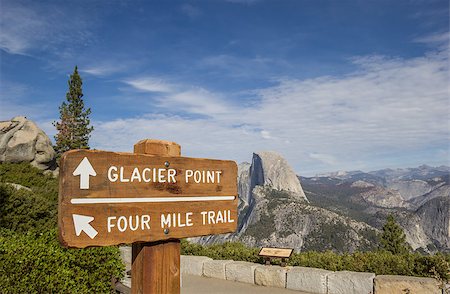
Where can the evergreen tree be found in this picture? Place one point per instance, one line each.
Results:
(393, 238)
(73, 127)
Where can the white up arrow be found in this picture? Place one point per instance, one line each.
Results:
(81, 223)
(84, 170)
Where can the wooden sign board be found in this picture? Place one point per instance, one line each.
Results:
(276, 252)
(109, 198)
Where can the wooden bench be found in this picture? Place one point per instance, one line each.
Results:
(269, 253)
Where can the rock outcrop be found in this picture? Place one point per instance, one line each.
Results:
(277, 220)
(342, 213)
(410, 189)
(371, 197)
(272, 170)
(435, 220)
(269, 170)
(382, 197)
(442, 191)
(244, 182)
(21, 140)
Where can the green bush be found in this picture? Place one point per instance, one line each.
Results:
(32, 263)
(26, 175)
(22, 210)
(378, 262)
(31, 259)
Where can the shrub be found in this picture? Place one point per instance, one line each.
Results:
(29, 176)
(22, 210)
(378, 262)
(31, 259)
(32, 263)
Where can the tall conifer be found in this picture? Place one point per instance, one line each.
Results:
(393, 238)
(73, 127)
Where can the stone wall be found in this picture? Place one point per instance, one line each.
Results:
(308, 280)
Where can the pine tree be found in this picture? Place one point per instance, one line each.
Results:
(393, 238)
(73, 127)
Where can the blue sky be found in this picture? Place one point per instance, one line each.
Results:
(331, 85)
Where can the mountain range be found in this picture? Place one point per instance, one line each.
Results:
(340, 211)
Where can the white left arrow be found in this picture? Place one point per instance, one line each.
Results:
(81, 223)
(84, 170)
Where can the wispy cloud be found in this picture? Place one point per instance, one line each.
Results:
(433, 39)
(385, 108)
(150, 84)
(266, 135)
(20, 28)
(198, 101)
(325, 158)
(104, 69)
(181, 98)
(27, 27)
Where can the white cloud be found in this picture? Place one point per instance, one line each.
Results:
(266, 134)
(103, 69)
(433, 39)
(387, 108)
(150, 84)
(324, 158)
(197, 100)
(198, 137)
(179, 98)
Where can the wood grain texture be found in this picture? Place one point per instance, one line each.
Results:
(101, 187)
(156, 265)
(157, 147)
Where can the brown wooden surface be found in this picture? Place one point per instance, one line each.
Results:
(157, 147)
(101, 187)
(156, 265)
(275, 252)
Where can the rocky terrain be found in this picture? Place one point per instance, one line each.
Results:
(21, 140)
(275, 211)
(341, 211)
(419, 198)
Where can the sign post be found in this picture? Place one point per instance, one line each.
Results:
(155, 266)
(150, 198)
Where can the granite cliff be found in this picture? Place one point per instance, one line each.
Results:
(274, 211)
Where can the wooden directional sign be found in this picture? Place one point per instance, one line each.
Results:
(109, 198)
